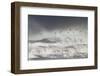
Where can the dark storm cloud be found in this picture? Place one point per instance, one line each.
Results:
(38, 23)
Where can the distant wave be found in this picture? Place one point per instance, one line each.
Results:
(46, 40)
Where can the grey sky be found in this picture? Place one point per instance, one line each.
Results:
(39, 23)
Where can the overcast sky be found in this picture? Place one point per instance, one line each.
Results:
(38, 24)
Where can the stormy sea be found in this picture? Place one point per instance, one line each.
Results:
(57, 48)
(57, 37)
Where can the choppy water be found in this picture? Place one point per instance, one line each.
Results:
(45, 51)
